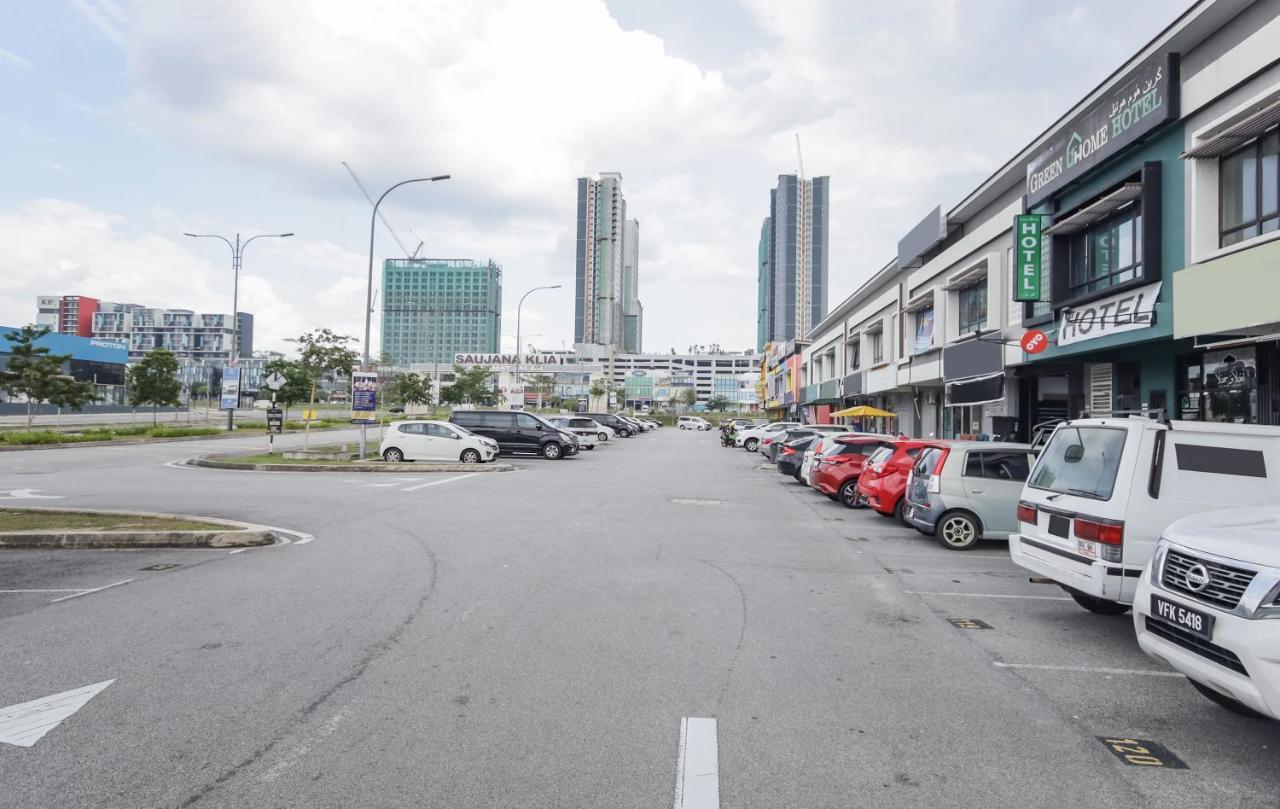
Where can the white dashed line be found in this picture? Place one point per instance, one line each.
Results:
(1088, 669)
(987, 595)
(697, 765)
(94, 590)
(438, 482)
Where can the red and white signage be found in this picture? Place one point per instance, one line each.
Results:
(1035, 341)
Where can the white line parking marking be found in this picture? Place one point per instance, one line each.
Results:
(28, 494)
(438, 482)
(987, 595)
(94, 590)
(697, 765)
(57, 590)
(1087, 669)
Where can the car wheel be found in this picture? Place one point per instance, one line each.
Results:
(751, 444)
(591, 446)
(958, 531)
(603, 437)
(552, 452)
(796, 475)
(393, 455)
(848, 494)
(1233, 705)
(469, 456)
(1098, 606)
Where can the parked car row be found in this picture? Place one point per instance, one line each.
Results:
(1176, 520)
(480, 436)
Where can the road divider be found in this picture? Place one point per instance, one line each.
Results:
(80, 528)
(255, 463)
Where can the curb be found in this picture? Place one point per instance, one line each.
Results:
(130, 440)
(422, 468)
(240, 535)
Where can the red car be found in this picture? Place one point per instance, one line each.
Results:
(836, 474)
(883, 482)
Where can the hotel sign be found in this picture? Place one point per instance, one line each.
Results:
(1028, 243)
(1128, 311)
(1141, 102)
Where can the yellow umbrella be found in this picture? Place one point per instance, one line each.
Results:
(862, 412)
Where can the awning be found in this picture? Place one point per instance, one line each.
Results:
(981, 390)
(863, 412)
(1237, 135)
(1101, 209)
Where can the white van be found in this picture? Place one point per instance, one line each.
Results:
(693, 423)
(1104, 489)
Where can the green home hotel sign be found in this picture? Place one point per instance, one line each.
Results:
(1145, 99)
(1027, 240)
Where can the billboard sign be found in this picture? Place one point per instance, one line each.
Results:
(364, 397)
(1028, 241)
(230, 398)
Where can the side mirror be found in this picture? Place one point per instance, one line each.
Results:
(456, 436)
(1074, 453)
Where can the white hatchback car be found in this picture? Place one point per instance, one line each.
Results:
(586, 429)
(435, 441)
(1206, 605)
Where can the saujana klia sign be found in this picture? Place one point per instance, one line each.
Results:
(1145, 99)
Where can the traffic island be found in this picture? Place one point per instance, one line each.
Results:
(75, 528)
(332, 462)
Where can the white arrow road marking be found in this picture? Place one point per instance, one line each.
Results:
(697, 765)
(26, 723)
(29, 494)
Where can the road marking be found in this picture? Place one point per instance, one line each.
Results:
(1088, 669)
(61, 590)
(697, 765)
(26, 723)
(986, 595)
(94, 590)
(688, 501)
(438, 482)
(29, 494)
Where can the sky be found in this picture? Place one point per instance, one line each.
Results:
(124, 125)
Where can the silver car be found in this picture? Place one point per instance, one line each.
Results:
(967, 491)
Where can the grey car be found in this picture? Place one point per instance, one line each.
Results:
(967, 491)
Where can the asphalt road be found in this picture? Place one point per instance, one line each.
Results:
(534, 639)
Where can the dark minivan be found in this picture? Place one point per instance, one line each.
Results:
(622, 428)
(518, 432)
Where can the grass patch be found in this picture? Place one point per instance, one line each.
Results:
(277, 458)
(36, 437)
(33, 520)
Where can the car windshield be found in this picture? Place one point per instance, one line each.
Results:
(1082, 461)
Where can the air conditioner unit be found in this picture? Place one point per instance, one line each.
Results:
(932, 398)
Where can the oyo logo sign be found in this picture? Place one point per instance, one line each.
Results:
(1035, 341)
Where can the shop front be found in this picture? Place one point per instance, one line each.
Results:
(980, 401)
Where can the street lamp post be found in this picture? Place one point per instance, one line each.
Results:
(237, 255)
(520, 348)
(368, 298)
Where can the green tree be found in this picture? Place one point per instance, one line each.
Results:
(689, 397)
(718, 402)
(470, 386)
(154, 381)
(35, 373)
(324, 356)
(410, 389)
(297, 382)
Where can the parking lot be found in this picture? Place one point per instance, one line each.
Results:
(1086, 669)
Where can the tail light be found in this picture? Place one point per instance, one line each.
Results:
(935, 484)
(766, 442)
(1027, 513)
(877, 468)
(1108, 533)
(788, 451)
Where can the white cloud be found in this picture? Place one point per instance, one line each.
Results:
(14, 59)
(58, 247)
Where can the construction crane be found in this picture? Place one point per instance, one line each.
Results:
(420, 243)
(381, 216)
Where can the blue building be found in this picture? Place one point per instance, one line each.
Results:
(101, 362)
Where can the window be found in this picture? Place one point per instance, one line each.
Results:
(998, 465)
(438, 431)
(1249, 188)
(973, 307)
(877, 346)
(1081, 460)
(526, 422)
(1106, 254)
(855, 355)
(924, 329)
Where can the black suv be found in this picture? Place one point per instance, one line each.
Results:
(611, 421)
(518, 432)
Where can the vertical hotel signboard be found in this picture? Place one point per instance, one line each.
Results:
(1028, 238)
(364, 397)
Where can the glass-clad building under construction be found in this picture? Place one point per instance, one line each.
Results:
(434, 308)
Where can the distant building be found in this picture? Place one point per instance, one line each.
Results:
(764, 286)
(797, 275)
(101, 362)
(434, 308)
(67, 314)
(607, 309)
(189, 335)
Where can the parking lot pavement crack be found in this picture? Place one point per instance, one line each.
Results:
(742, 633)
(371, 654)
